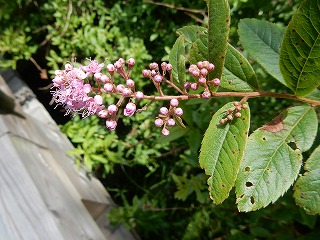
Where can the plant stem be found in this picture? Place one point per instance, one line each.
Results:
(238, 94)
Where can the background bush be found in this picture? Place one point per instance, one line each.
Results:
(156, 181)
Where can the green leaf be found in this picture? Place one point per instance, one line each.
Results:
(273, 157)
(222, 150)
(191, 33)
(238, 75)
(177, 59)
(262, 40)
(199, 49)
(307, 187)
(218, 31)
(300, 50)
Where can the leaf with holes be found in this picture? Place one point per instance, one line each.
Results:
(218, 31)
(273, 157)
(238, 75)
(222, 150)
(177, 59)
(262, 40)
(300, 50)
(306, 189)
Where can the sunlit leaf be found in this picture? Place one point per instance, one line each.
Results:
(262, 40)
(222, 150)
(273, 157)
(238, 75)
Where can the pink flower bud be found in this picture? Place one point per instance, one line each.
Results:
(164, 66)
(206, 94)
(120, 87)
(131, 61)
(117, 65)
(216, 81)
(121, 61)
(68, 67)
(206, 64)
(157, 78)
(158, 122)
(164, 111)
(169, 67)
(186, 85)
(174, 102)
(165, 132)
(57, 80)
(178, 112)
(112, 109)
(103, 113)
(139, 95)
(211, 67)
(194, 86)
(202, 80)
(130, 109)
(104, 78)
(98, 99)
(153, 73)
(87, 88)
(203, 72)
(108, 87)
(146, 73)
(200, 64)
(111, 124)
(110, 68)
(126, 92)
(130, 83)
(171, 122)
(97, 75)
(153, 66)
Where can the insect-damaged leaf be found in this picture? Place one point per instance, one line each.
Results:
(307, 187)
(222, 150)
(273, 158)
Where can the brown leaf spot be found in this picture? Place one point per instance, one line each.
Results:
(275, 125)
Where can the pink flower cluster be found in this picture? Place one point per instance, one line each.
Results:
(166, 116)
(82, 90)
(74, 91)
